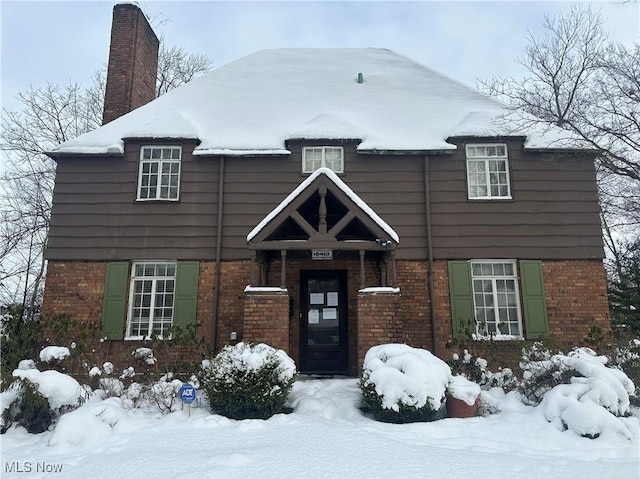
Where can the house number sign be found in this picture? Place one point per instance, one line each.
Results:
(321, 254)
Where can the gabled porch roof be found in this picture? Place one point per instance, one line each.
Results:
(323, 212)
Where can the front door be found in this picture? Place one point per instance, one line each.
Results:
(323, 328)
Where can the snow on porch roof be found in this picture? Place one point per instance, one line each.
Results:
(258, 102)
(340, 184)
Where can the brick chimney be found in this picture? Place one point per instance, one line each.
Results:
(133, 62)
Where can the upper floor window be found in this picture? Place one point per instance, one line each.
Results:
(318, 156)
(159, 173)
(151, 300)
(488, 171)
(495, 295)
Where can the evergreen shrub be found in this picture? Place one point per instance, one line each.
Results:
(249, 381)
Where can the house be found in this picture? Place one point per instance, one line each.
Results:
(322, 201)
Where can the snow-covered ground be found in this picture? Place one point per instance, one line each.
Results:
(325, 437)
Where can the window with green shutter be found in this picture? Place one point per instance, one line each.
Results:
(162, 294)
(488, 292)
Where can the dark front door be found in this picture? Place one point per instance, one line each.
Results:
(323, 328)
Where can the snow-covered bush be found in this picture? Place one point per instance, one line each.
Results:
(476, 370)
(594, 400)
(29, 408)
(403, 384)
(249, 381)
(542, 371)
(40, 397)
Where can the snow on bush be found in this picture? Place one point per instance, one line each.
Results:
(249, 381)
(27, 364)
(59, 389)
(403, 384)
(145, 355)
(579, 392)
(107, 367)
(54, 353)
(91, 424)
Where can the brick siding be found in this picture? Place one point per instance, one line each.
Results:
(575, 294)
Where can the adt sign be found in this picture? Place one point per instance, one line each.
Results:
(187, 393)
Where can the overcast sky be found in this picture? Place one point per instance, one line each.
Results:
(67, 41)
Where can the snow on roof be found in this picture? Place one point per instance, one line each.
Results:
(258, 102)
(340, 184)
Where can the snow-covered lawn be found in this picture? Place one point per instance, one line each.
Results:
(325, 437)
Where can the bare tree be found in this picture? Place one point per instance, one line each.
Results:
(576, 79)
(50, 115)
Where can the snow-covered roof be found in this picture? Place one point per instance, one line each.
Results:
(340, 184)
(253, 105)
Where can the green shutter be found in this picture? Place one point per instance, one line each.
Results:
(115, 300)
(461, 293)
(534, 304)
(186, 295)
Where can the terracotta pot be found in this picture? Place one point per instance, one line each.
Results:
(459, 408)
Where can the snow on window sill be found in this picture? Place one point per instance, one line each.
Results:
(497, 337)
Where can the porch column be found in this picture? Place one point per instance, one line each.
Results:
(283, 268)
(362, 279)
(394, 276)
(252, 268)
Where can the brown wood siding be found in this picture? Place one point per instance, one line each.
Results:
(95, 215)
(554, 213)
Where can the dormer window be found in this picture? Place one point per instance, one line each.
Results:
(315, 157)
(488, 171)
(159, 173)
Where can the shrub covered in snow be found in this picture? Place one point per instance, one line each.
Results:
(40, 397)
(476, 370)
(403, 384)
(249, 381)
(577, 391)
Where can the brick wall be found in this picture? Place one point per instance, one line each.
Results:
(133, 62)
(74, 288)
(380, 321)
(266, 319)
(576, 293)
(234, 278)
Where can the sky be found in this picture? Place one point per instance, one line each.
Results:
(62, 42)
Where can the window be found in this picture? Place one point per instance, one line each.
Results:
(487, 171)
(327, 156)
(151, 300)
(159, 177)
(495, 294)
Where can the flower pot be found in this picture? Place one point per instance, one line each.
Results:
(459, 408)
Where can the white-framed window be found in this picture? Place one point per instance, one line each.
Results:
(151, 299)
(314, 157)
(159, 173)
(496, 297)
(488, 171)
